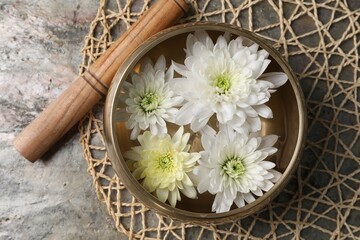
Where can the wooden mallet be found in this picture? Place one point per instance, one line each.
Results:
(73, 104)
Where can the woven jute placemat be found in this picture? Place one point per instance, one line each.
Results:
(320, 39)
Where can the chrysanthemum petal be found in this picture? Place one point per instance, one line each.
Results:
(268, 141)
(201, 36)
(220, 43)
(221, 204)
(255, 124)
(265, 64)
(264, 111)
(203, 186)
(186, 180)
(189, 191)
(267, 165)
(276, 78)
(248, 197)
(277, 175)
(162, 194)
(176, 139)
(239, 200)
(135, 132)
(201, 119)
(269, 150)
(185, 114)
(257, 192)
(173, 197)
(268, 185)
(160, 64)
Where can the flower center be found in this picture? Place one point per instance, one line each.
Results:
(233, 167)
(149, 102)
(222, 83)
(165, 161)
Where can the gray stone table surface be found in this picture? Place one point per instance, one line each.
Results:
(40, 54)
(40, 51)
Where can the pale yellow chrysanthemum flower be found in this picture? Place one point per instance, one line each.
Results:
(162, 164)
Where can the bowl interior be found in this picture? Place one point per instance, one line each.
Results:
(284, 104)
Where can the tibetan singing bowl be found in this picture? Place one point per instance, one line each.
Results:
(289, 123)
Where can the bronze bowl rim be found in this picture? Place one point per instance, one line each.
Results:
(134, 186)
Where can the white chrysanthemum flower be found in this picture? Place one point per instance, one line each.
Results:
(149, 100)
(163, 163)
(233, 167)
(226, 79)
